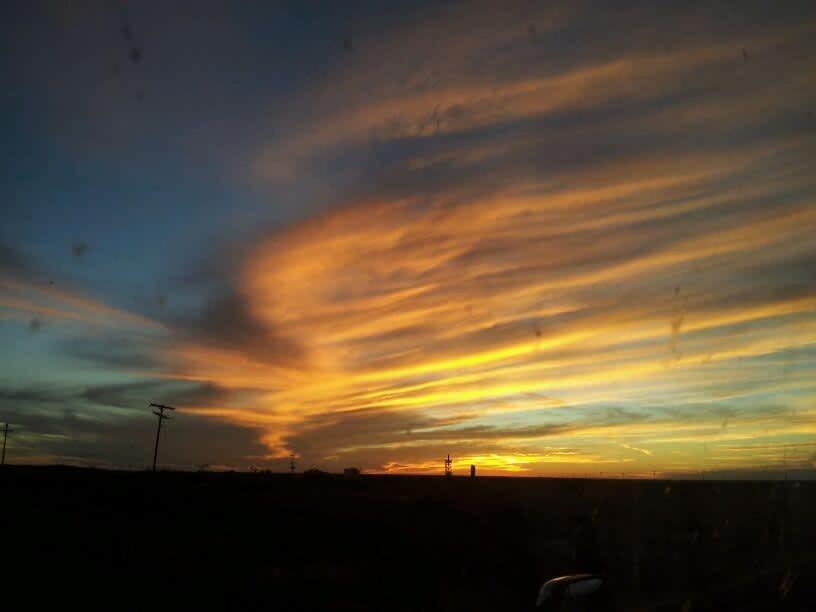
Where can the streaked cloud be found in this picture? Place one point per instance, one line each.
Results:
(25, 299)
(587, 250)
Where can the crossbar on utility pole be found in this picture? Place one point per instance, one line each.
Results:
(162, 417)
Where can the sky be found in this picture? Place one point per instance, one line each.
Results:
(546, 238)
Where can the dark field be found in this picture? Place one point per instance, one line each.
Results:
(134, 541)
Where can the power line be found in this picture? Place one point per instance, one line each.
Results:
(162, 417)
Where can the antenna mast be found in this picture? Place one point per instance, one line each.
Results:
(448, 464)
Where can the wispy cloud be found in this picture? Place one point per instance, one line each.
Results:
(590, 246)
(643, 451)
(24, 299)
(615, 227)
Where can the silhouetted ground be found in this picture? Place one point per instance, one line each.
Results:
(133, 541)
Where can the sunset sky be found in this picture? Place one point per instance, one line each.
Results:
(546, 238)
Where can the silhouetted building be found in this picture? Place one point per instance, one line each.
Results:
(473, 471)
(315, 473)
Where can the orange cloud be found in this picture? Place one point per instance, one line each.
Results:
(612, 231)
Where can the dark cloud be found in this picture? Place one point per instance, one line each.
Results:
(557, 146)
(61, 425)
(324, 433)
(187, 441)
(198, 394)
(116, 351)
(138, 394)
(226, 322)
(124, 395)
(127, 396)
(44, 395)
(365, 435)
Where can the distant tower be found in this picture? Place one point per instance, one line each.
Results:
(292, 463)
(448, 464)
(473, 471)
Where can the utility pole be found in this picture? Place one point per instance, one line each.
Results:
(162, 417)
(292, 463)
(5, 437)
(448, 464)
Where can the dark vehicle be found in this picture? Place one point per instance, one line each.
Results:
(575, 592)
